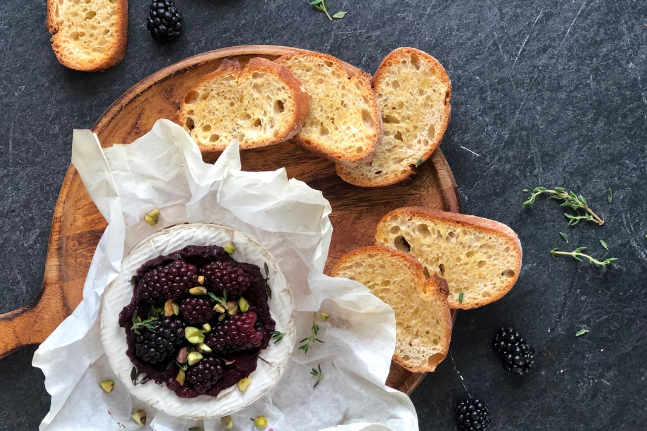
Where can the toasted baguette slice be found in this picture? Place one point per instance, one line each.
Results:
(422, 315)
(343, 122)
(477, 256)
(88, 35)
(261, 105)
(413, 92)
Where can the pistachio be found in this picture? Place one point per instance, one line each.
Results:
(194, 357)
(206, 328)
(325, 316)
(176, 309)
(260, 422)
(182, 354)
(201, 279)
(243, 383)
(107, 385)
(227, 422)
(219, 308)
(221, 317)
(229, 248)
(229, 362)
(168, 308)
(152, 217)
(243, 305)
(181, 375)
(198, 291)
(194, 335)
(232, 307)
(139, 417)
(203, 348)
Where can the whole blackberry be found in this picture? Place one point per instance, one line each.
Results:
(221, 276)
(164, 21)
(197, 310)
(157, 345)
(167, 282)
(236, 334)
(516, 354)
(205, 374)
(471, 415)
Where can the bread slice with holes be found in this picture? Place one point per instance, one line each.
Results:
(343, 122)
(88, 35)
(260, 105)
(422, 315)
(479, 257)
(413, 92)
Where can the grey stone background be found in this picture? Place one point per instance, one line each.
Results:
(545, 92)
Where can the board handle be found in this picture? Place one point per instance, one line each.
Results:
(31, 324)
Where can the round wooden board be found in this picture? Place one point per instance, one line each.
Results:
(77, 225)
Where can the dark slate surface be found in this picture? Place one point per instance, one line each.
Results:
(545, 93)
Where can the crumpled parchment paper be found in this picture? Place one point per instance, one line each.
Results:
(164, 169)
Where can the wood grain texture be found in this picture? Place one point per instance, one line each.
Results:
(77, 225)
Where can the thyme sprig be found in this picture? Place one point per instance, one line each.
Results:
(277, 335)
(306, 342)
(139, 323)
(577, 254)
(322, 5)
(318, 374)
(575, 202)
(219, 300)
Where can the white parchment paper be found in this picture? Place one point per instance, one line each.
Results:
(164, 169)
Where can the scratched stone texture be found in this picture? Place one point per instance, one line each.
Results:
(545, 92)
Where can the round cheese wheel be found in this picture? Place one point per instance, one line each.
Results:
(275, 356)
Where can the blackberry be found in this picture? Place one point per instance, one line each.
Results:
(157, 345)
(167, 282)
(516, 354)
(236, 334)
(471, 415)
(221, 276)
(197, 310)
(205, 374)
(164, 21)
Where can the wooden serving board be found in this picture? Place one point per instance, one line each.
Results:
(77, 225)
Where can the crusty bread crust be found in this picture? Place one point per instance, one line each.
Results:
(100, 62)
(348, 174)
(460, 221)
(434, 287)
(229, 66)
(411, 262)
(362, 79)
